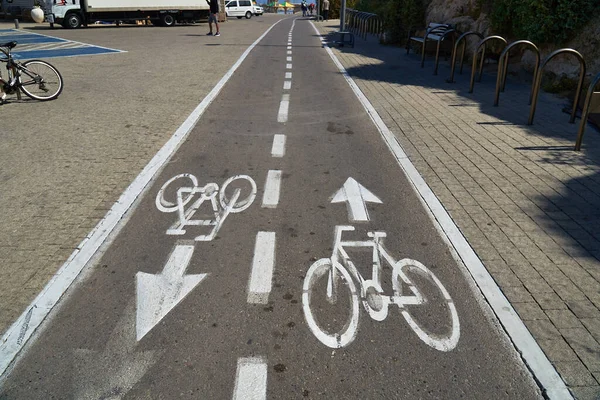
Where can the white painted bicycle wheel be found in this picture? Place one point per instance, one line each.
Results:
(347, 334)
(240, 205)
(167, 206)
(441, 342)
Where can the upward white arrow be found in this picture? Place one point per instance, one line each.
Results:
(356, 196)
(158, 294)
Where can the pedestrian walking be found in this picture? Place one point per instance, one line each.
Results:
(213, 16)
(303, 6)
(326, 10)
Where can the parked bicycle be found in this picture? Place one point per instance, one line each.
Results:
(38, 79)
(338, 277)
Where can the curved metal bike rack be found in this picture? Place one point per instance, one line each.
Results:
(503, 68)
(538, 82)
(585, 112)
(437, 50)
(363, 23)
(462, 56)
(475, 56)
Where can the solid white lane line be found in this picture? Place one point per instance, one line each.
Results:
(288, 75)
(287, 85)
(272, 189)
(251, 379)
(284, 106)
(263, 263)
(289, 59)
(278, 149)
(530, 351)
(19, 333)
(288, 66)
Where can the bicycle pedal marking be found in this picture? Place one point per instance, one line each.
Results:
(217, 198)
(342, 275)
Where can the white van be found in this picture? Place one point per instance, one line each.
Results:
(239, 8)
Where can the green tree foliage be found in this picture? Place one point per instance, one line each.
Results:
(542, 21)
(398, 15)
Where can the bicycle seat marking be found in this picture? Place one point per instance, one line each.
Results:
(340, 267)
(220, 209)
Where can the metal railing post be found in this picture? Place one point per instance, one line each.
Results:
(585, 112)
(538, 81)
(503, 68)
(481, 44)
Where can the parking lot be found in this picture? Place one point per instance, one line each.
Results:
(64, 163)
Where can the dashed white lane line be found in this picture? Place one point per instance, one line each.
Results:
(21, 331)
(278, 149)
(288, 66)
(263, 263)
(272, 189)
(522, 339)
(289, 59)
(288, 75)
(287, 85)
(289, 47)
(289, 52)
(284, 106)
(251, 379)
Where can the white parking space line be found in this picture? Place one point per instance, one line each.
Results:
(21, 331)
(282, 115)
(288, 75)
(288, 66)
(272, 189)
(278, 149)
(287, 85)
(263, 263)
(251, 379)
(529, 349)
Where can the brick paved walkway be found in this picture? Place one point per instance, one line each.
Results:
(526, 202)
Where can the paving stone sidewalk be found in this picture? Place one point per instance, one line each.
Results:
(527, 203)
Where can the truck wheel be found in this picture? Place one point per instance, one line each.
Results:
(167, 19)
(248, 15)
(72, 21)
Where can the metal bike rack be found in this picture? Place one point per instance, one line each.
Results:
(503, 68)
(460, 39)
(363, 23)
(538, 82)
(585, 112)
(475, 55)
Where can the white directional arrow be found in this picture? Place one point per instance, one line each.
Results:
(356, 196)
(159, 294)
(111, 373)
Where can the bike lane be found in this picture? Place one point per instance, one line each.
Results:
(161, 314)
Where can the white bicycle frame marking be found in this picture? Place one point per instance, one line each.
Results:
(221, 208)
(340, 265)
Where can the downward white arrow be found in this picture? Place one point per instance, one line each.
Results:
(356, 196)
(159, 294)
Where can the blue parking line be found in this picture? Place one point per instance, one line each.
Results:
(79, 51)
(28, 39)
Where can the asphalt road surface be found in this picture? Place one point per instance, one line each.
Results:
(314, 272)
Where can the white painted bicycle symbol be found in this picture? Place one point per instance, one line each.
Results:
(221, 208)
(340, 267)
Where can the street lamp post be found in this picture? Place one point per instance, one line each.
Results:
(343, 16)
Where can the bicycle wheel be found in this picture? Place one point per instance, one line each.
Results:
(440, 341)
(240, 205)
(40, 80)
(342, 325)
(167, 206)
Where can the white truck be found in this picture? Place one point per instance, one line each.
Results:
(75, 13)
